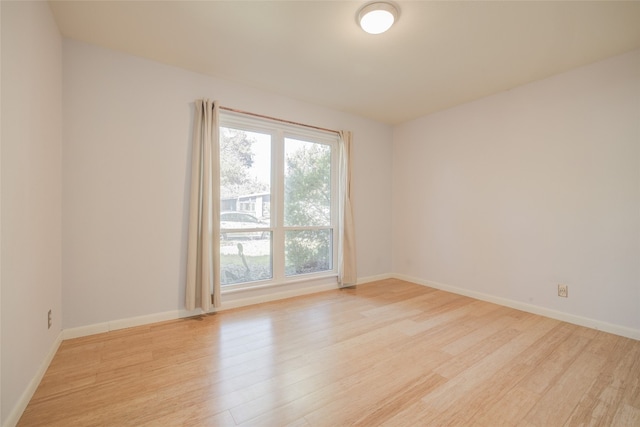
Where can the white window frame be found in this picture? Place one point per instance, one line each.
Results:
(279, 131)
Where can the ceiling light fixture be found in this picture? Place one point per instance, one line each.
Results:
(376, 18)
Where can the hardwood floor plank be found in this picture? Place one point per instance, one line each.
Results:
(473, 386)
(558, 360)
(509, 409)
(561, 397)
(328, 383)
(627, 416)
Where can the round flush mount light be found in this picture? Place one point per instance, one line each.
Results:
(376, 18)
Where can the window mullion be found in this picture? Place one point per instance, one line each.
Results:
(277, 161)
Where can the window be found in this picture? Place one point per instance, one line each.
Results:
(278, 202)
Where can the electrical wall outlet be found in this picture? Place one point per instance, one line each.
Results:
(563, 290)
(49, 321)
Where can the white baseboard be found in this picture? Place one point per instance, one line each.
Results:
(369, 279)
(114, 325)
(23, 401)
(17, 411)
(288, 293)
(529, 308)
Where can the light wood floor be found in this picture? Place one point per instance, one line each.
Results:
(389, 353)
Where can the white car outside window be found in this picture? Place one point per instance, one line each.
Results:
(233, 224)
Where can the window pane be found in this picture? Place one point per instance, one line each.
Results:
(307, 174)
(308, 251)
(245, 179)
(244, 259)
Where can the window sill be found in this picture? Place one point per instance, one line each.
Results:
(250, 295)
(331, 277)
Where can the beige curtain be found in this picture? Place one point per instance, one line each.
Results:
(203, 252)
(347, 273)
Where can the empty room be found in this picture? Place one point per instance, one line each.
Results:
(320, 213)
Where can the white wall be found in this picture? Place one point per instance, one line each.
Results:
(31, 194)
(511, 195)
(126, 132)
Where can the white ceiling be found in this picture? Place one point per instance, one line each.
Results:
(438, 54)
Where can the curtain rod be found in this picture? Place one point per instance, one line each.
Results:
(277, 119)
